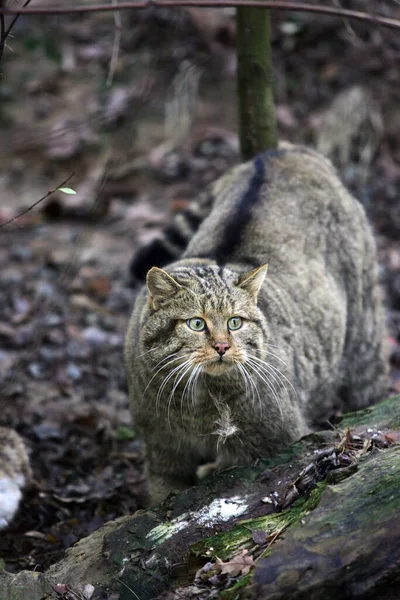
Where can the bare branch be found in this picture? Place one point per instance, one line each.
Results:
(2, 29)
(49, 193)
(6, 33)
(117, 42)
(272, 4)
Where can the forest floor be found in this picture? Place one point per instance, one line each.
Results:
(64, 290)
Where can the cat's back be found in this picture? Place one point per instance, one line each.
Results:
(284, 204)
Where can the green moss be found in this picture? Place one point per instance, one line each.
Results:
(234, 592)
(292, 453)
(386, 413)
(228, 543)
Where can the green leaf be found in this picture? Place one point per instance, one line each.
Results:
(66, 190)
(125, 433)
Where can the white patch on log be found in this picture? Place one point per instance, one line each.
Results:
(219, 511)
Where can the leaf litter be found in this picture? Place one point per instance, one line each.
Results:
(64, 313)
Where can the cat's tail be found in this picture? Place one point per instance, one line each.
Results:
(173, 239)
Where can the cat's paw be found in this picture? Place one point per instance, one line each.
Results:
(15, 474)
(206, 470)
(10, 497)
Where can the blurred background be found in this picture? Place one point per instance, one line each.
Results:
(140, 106)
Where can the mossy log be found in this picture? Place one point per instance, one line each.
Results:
(339, 539)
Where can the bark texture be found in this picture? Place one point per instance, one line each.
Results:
(257, 123)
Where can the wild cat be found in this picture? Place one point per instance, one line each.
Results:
(15, 474)
(227, 361)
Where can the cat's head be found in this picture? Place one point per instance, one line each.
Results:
(205, 317)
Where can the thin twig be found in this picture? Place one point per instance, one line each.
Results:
(271, 4)
(4, 33)
(272, 540)
(117, 41)
(49, 193)
(127, 587)
(17, 14)
(2, 30)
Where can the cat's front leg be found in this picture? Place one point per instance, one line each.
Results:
(224, 460)
(168, 468)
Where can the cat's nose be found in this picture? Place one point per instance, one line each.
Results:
(221, 347)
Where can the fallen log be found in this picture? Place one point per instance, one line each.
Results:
(318, 521)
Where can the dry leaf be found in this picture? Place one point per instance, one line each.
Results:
(392, 437)
(238, 565)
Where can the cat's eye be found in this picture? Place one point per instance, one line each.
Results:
(197, 324)
(234, 323)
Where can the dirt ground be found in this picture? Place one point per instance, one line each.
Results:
(142, 139)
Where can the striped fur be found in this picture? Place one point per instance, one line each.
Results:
(309, 342)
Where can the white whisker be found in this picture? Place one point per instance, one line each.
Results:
(238, 366)
(185, 368)
(254, 387)
(160, 369)
(279, 373)
(152, 349)
(164, 359)
(175, 371)
(188, 385)
(194, 385)
(274, 346)
(263, 376)
(277, 357)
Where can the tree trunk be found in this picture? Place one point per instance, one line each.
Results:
(257, 124)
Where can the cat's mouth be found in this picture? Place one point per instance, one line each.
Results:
(218, 366)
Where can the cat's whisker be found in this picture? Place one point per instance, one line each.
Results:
(279, 373)
(273, 345)
(179, 376)
(175, 371)
(254, 387)
(247, 379)
(160, 369)
(238, 366)
(187, 387)
(271, 374)
(269, 384)
(185, 390)
(193, 391)
(152, 349)
(276, 374)
(277, 357)
(164, 359)
(263, 375)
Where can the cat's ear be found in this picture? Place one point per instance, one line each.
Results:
(161, 286)
(252, 282)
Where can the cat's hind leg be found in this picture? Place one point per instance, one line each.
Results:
(365, 364)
